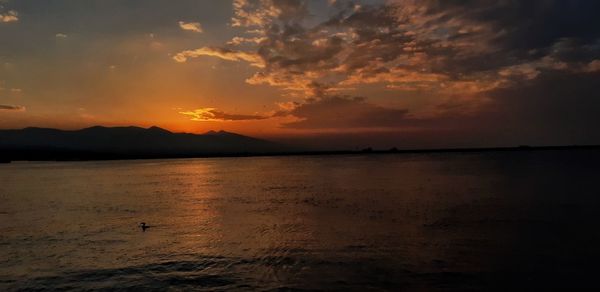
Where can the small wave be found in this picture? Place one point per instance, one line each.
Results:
(176, 274)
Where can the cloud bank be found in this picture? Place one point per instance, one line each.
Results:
(466, 59)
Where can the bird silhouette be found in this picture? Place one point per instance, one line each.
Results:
(144, 226)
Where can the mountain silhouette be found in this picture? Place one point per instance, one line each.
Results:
(31, 143)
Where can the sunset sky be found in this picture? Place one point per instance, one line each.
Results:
(336, 72)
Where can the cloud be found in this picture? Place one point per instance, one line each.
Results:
(191, 26)
(242, 40)
(261, 12)
(225, 54)
(593, 66)
(17, 108)
(555, 103)
(557, 107)
(61, 36)
(10, 16)
(464, 59)
(407, 44)
(212, 114)
(337, 112)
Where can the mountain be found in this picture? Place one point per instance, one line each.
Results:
(122, 142)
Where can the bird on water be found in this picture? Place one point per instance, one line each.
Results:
(144, 226)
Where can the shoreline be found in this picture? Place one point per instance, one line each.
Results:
(15, 155)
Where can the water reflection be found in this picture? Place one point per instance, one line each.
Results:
(445, 221)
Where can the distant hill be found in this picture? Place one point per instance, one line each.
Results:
(126, 142)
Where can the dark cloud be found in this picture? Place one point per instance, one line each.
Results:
(528, 24)
(556, 107)
(407, 43)
(344, 112)
(519, 31)
(517, 69)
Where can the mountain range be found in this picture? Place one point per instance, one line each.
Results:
(124, 142)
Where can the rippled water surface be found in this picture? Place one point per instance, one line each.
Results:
(373, 222)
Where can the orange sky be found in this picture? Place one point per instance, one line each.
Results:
(291, 67)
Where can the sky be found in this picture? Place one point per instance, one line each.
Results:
(324, 73)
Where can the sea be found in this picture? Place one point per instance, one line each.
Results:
(503, 221)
